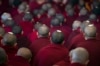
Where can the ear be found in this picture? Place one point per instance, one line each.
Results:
(86, 62)
(2, 42)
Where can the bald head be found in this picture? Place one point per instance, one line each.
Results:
(9, 22)
(57, 37)
(84, 24)
(25, 53)
(79, 55)
(76, 24)
(55, 22)
(47, 6)
(69, 6)
(60, 17)
(51, 12)
(9, 39)
(37, 25)
(23, 7)
(90, 31)
(70, 12)
(16, 30)
(2, 31)
(83, 12)
(28, 16)
(3, 56)
(92, 17)
(5, 16)
(43, 31)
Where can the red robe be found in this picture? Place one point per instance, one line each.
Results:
(76, 64)
(11, 51)
(72, 35)
(27, 27)
(50, 55)
(93, 47)
(19, 61)
(75, 41)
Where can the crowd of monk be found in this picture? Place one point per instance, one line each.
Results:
(49, 32)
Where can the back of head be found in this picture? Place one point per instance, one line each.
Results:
(5, 16)
(55, 22)
(35, 12)
(22, 7)
(46, 6)
(28, 16)
(60, 17)
(79, 55)
(9, 22)
(9, 39)
(16, 30)
(84, 24)
(69, 6)
(76, 24)
(57, 37)
(90, 31)
(70, 12)
(92, 17)
(43, 31)
(3, 56)
(83, 12)
(51, 12)
(25, 53)
(2, 31)
(37, 25)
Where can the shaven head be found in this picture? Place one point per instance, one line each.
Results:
(79, 55)
(76, 24)
(37, 25)
(9, 39)
(83, 12)
(51, 12)
(43, 31)
(84, 24)
(2, 31)
(17, 29)
(90, 31)
(23, 7)
(92, 17)
(25, 53)
(3, 56)
(57, 37)
(5, 16)
(55, 22)
(28, 16)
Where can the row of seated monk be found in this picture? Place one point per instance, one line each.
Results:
(46, 34)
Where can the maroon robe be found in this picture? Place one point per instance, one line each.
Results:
(33, 36)
(18, 18)
(38, 44)
(7, 29)
(75, 41)
(93, 47)
(69, 19)
(34, 5)
(62, 63)
(27, 27)
(76, 64)
(4, 7)
(50, 55)
(82, 18)
(19, 61)
(72, 35)
(11, 51)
